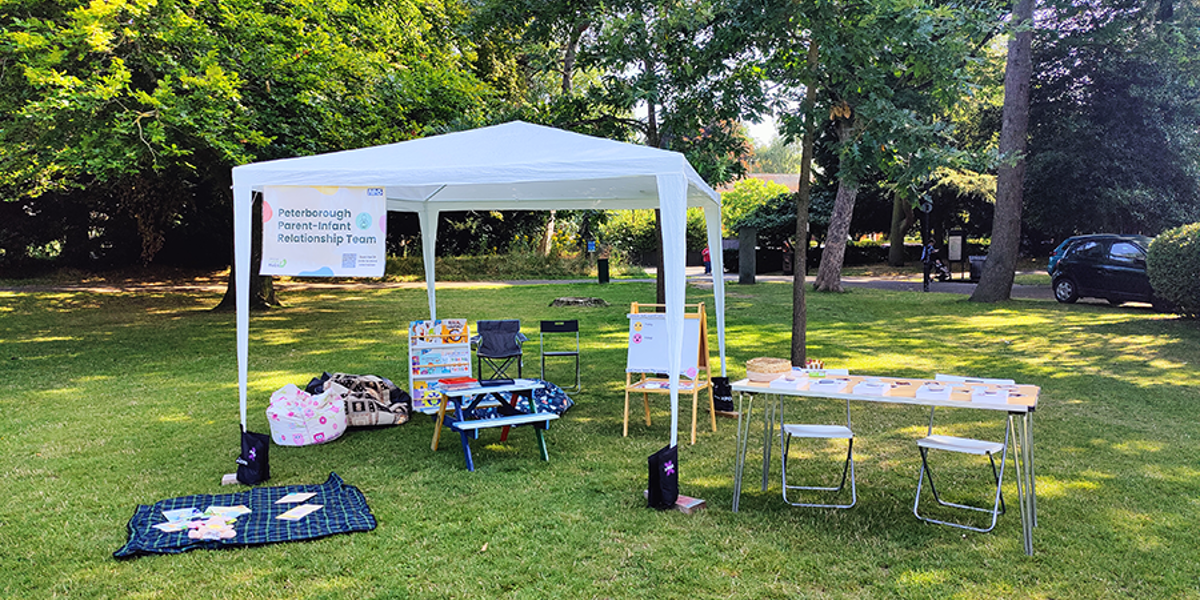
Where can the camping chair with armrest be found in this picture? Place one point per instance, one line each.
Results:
(559, 349)
(963, 445)
(498, 345)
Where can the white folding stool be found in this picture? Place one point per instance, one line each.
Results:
(826, 432)
(964, 446)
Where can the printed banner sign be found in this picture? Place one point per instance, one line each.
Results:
(323, 231)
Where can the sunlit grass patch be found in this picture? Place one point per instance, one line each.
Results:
(114, 400)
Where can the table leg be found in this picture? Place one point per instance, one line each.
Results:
(441, 419)
(1022, 481)
(466, 438)
(512, 402)
(538, 429)
(743, 436)
(1032, 472)
(768, 428)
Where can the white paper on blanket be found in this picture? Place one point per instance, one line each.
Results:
(298, 418)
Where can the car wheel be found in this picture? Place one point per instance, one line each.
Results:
(1065, 291)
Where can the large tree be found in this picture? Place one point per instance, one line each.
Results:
(1114, 106)
(887, 74)
(139, 109)
(995, 282)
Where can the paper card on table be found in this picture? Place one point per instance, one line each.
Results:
(182, 514)
(294, 497)
(986, 395)
(299, 512)
(933, 391)
(872, 387)
(828, 385)
(791, 381)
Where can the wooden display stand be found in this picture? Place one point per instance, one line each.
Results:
(436, 350)
(648, 356)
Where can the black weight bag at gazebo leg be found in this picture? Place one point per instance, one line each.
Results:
(722, 392)
(253, 466)
(663, 488)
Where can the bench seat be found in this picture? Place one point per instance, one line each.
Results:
(513, 420)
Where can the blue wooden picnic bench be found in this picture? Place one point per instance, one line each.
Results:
(483, 397)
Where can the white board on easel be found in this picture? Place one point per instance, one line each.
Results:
(648, 350)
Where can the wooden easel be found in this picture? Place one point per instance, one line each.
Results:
(657, 385)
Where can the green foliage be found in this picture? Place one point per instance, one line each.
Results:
(777, 156)
(631, 232)
(748, 196)
(139, 110)
(1113, 143)
(774, 217)
(889, 74)
(1173, 264)
(500, 267)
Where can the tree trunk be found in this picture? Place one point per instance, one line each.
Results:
(995, 283)
(803, 193)
(262, 287)
(569, 56)
(902, 222)
(829, 274)
(548, 240)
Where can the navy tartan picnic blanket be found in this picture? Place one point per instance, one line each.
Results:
(344, 510)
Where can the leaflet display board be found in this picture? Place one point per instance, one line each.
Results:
(438, 349)
(649, 354)
(323, 231)
(648, 351)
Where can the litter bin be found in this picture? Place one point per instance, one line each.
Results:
(602, 269)
(977, 266)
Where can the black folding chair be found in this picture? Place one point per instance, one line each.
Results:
(563, 327)
(498, 345)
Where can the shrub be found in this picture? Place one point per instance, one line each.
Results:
(631, 232)
(515, 265)
(1173, 265)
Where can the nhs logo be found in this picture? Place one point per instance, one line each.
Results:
(374, 192)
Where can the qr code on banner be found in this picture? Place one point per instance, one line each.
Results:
(349, 261)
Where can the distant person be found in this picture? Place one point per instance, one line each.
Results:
(928, 257)
(707, 258)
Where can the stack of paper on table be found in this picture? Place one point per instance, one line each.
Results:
(933, 391)
(872, 387)
(791, 381)
(982, 394)
(826, 386)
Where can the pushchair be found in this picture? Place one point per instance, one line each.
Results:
(940, 270)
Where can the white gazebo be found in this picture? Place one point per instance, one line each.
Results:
(514, 166)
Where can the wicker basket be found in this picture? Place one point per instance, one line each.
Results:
(764, 369)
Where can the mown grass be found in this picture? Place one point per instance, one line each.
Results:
(119, 399)
(505, 267)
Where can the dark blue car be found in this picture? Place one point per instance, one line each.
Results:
(1106, 266)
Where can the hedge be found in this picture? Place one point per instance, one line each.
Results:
(1173, 265)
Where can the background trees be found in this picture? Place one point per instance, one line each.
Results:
(119, 121)
(1115, 102)
(120, 113)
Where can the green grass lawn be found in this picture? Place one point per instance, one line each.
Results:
(117, 400)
